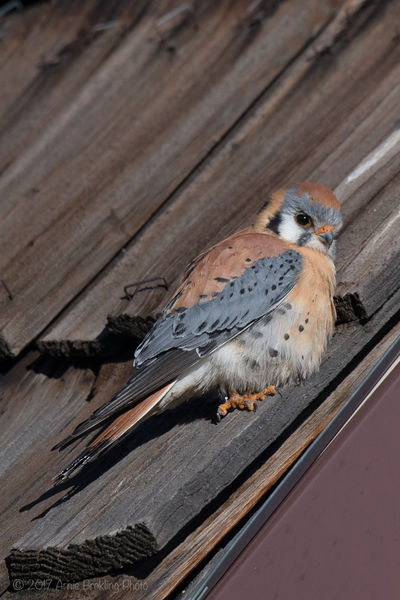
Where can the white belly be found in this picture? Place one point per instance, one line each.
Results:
(273, 351)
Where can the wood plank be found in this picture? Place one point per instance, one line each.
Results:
(370, 264)
(31, 41)
(351, 115)
(38, 398)
(137, 484)
(110, 128)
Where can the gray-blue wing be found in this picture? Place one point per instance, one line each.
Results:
(208, 324)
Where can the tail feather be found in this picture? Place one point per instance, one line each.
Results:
(125, 397)
(143, 382)
(113, 433)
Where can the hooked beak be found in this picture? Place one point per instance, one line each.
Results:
(325, 234)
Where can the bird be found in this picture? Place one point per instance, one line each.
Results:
(253, 313)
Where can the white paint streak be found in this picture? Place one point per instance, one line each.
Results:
(175, 12)
(369, 165)
(375, 156)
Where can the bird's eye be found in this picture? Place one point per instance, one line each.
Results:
(303, 220)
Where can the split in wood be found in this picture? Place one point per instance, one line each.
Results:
(349, 308)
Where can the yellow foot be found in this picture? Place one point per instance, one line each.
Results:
(247, 400)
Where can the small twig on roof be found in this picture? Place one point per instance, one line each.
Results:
(5, 286)
(162, 283)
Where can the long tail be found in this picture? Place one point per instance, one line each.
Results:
(113, 432)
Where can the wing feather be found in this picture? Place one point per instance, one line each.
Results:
(233, 285)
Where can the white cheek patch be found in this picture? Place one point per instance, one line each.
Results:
(289, 230)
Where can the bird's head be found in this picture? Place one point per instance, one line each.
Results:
(307, 214)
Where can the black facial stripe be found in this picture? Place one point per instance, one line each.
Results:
(304, 238)
(275, 222)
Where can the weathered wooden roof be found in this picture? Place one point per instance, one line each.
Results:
(132, 136)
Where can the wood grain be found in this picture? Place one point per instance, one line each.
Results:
(38, 398)
(111, 125)
(370, 266)
(352, 113)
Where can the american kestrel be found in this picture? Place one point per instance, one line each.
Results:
(254, 312)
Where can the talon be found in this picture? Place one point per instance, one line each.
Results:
(245, 401)
(218, 417)
(232, 401)
(270, 390)
(250, 405)
(222, 410)
(248, 400)
(255, 407)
